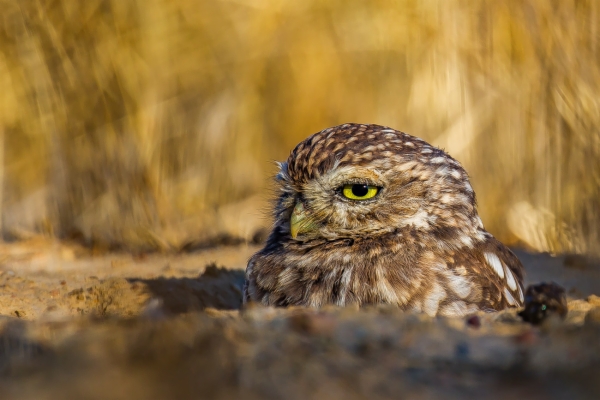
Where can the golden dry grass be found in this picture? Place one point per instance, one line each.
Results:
(153, 123)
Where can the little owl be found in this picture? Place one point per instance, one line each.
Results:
(370, 215)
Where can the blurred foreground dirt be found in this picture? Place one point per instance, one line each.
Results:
(79, 325)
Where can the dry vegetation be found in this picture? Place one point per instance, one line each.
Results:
(153, 123)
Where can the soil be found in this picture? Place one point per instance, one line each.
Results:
(78, 324)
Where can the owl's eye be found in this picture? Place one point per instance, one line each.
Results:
(359, 191)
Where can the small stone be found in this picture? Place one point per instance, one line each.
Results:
(543, 300)
(474, 321)
(577, 311)
(594, 300)
(580, 305)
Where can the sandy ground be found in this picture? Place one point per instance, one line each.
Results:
(80, 325)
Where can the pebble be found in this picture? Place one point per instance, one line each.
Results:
(594, 300)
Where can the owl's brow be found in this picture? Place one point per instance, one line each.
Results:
(336, 163)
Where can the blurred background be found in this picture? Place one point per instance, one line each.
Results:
(154, 124)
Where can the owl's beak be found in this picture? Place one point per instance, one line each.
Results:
(300, 222)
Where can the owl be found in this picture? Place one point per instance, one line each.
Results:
(369, 215)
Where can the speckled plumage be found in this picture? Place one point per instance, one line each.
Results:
(418, 244)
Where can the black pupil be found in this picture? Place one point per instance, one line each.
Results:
(360, 190)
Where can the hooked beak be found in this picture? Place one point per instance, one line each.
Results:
(300, 221)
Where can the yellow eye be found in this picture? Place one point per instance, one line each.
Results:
(359, 191)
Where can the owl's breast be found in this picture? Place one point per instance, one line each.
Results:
(340, 273)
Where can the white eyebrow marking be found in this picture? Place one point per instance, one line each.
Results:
(510, 279)
(495, 263)
(509, 297)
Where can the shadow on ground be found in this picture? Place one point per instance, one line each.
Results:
(217, 287)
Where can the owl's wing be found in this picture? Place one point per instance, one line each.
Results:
(495, 270)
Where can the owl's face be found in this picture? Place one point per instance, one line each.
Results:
(358, 181)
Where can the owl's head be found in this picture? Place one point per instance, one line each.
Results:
(361, 181)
